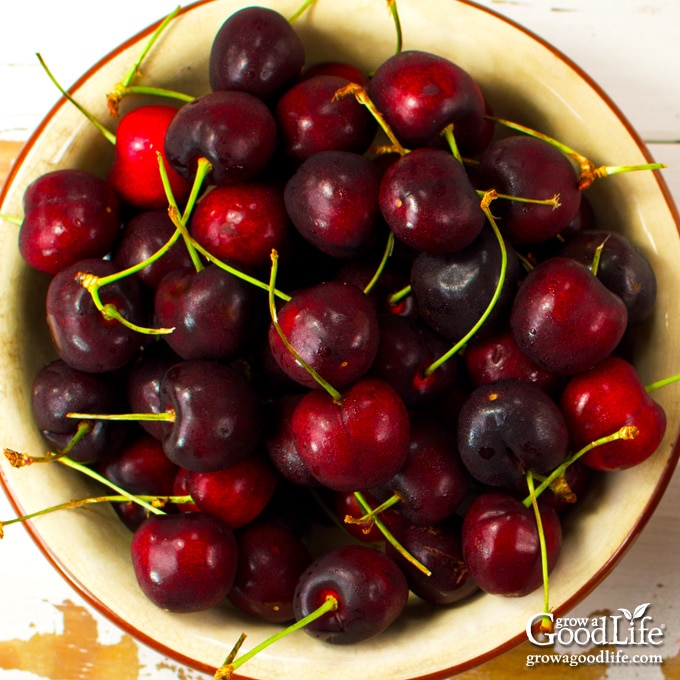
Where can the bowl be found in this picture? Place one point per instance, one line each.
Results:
(524, 79)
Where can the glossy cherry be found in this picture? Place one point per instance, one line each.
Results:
(184, 562)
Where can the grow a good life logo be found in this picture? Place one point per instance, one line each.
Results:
(624, 630)
(629, 628)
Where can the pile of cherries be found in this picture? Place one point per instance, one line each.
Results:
(317, 300)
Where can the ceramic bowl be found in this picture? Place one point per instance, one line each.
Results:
(523, 78)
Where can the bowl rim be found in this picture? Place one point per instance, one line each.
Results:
(593, 582)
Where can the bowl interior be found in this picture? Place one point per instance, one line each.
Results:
(524, 80)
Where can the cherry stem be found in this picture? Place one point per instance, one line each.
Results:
(597, 256)
(662, 383)
(369, 517)
(110, 312)
(399, 295)
(394, 12)
(625, 432)
(180, 219)
(12, 219)
(225, 671)
(124, 87)
(486, 200)
(335, 395)
(447, 133)
(164, 416)
(19, 460)
(301, 10)
(361, 95)
(546, 622)
(389, 536)
(588, 172)
(389, 247)
(553, 201)
(110, 136)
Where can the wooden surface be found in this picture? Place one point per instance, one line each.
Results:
(627, 46)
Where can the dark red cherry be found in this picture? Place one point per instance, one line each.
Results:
(439, 549)
(358, 443)
(332, 200)
(509, 427)
(242, 223)
(311, 119)
(334, 328)
(271, 560)
(69, 215)
(429, 202)
(420, 93)
(256, 50)
(501, 547)
(598, 402)
(528, 167)
(134, 172)
(564, 318)
(238, 493)
(59, 389)
(233, 130)
(370, 589)
(210, 311)
(184, 562)
(216, 415)
(80, 333)
(143, 235)
(453, 291)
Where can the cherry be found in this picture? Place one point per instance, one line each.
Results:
(311, 118)
(144, 234)
(497, 357)
(184, 562)
(332, 200)
(280, 443)
(83, 336)
(242, 223)
(622, 267)
(509, 427)
(429, 202)
(179, 488)
(406, 349)
(501, 547)
(142, 380)
(453, 290)
(210, 312)
(605, 398)
(256, 50)
(238, 493)
(360, 442)
(432, 483)
(564, 318)
(370, 589)
(271, 560)
(134, 172)
(333, 326)
(216, 415)
(439, 549)
(59, 389)
(69, 215)
(140, 467)
(234, 131)
(528, 167)
(420, 94)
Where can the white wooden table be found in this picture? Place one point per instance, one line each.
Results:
(628, 46)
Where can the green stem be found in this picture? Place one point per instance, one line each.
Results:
(110, 136)
(399, 295)
(163, 416)
(300, 11)
(335, 395)
(381, 266)
(374, 512)
(225, 671)
(662, 383)
(447, 133)
(394, 12)
(12, 219)
(544, 551)
(492, 303)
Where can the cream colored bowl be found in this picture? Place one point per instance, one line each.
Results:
(525, 80)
